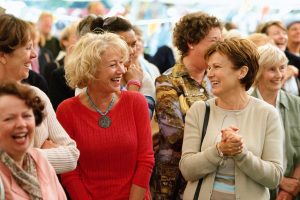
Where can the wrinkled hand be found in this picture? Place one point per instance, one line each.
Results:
(231, 143)
(48, 144)
(290, 185)
(133, 73)
(283, 195)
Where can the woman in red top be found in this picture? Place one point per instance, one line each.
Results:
(111, 127)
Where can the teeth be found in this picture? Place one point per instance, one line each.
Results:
(20, 135)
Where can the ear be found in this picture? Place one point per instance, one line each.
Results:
(2, 58)
(243, 71)
(190, 46)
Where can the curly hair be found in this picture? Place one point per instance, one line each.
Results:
(241, 52)
(28, 95)
(191, 29)
(14, 33)
(81, 65)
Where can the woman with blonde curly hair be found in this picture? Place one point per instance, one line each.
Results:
(111, 122)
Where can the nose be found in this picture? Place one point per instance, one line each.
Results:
(132, 50)
(21, 123)
(283, 35)
(121, 68)
(33, 53)
(279, 73)
(209, 72)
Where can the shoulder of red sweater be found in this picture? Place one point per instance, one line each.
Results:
(68, 102)
(133, 94)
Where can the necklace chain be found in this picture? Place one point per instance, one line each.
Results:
(96, 108)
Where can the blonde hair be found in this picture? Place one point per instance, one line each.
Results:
(260, 39)
(66, 33)
(269, 55)
(45, 14)
(82, 63)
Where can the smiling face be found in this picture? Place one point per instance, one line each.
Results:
(294, 33)
(110, 71)
(16, 126)
(197, 51)
(272, 77)
(16, 64)
(279, 36)
(225, 80)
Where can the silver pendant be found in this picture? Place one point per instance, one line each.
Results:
(104, 121)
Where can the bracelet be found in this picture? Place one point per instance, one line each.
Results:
(134, 82)
(220, 153)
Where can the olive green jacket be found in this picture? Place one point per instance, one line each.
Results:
(290, 113)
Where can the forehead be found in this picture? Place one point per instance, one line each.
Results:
(294, 25)
(218, 57)
(275, 27)
(8, 102)
(214, 32)
(112, 53)
(128, 36)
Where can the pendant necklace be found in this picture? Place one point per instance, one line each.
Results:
(104, 121)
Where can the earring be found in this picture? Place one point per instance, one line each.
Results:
(3, 61)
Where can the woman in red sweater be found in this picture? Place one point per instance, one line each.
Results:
(111, 127)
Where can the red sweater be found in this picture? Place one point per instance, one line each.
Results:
(111, 159)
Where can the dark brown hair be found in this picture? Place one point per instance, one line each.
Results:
(191, 29)
(14, 33)
(25, 93)
(97, 24)
(241, 52)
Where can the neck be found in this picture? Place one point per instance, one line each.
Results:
(294, 48)
(268, 96)
(101, 100)
(18, 159)
(6, 75)
(196, 72)
(233, 102)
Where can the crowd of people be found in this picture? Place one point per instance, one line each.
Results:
(77, 113)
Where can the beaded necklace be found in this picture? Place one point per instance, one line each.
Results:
(104, 121)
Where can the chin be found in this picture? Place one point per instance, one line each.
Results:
(23, 76)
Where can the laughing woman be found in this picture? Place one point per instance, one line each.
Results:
(268, 84)
(241, 154)
(16, 54)
(26, 173)
(111, 127)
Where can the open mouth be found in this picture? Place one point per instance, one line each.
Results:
(20, 138)
(116, 80)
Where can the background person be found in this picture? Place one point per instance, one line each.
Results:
(176, 90)
(111, 121)
(278, 32)
(25, 172)
(241, 154)
(268, 84)
(16, 54)
(47, 40)
(58, 88)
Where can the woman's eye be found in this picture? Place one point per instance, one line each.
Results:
(27, 116)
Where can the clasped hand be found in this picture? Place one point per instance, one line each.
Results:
(231, 143)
